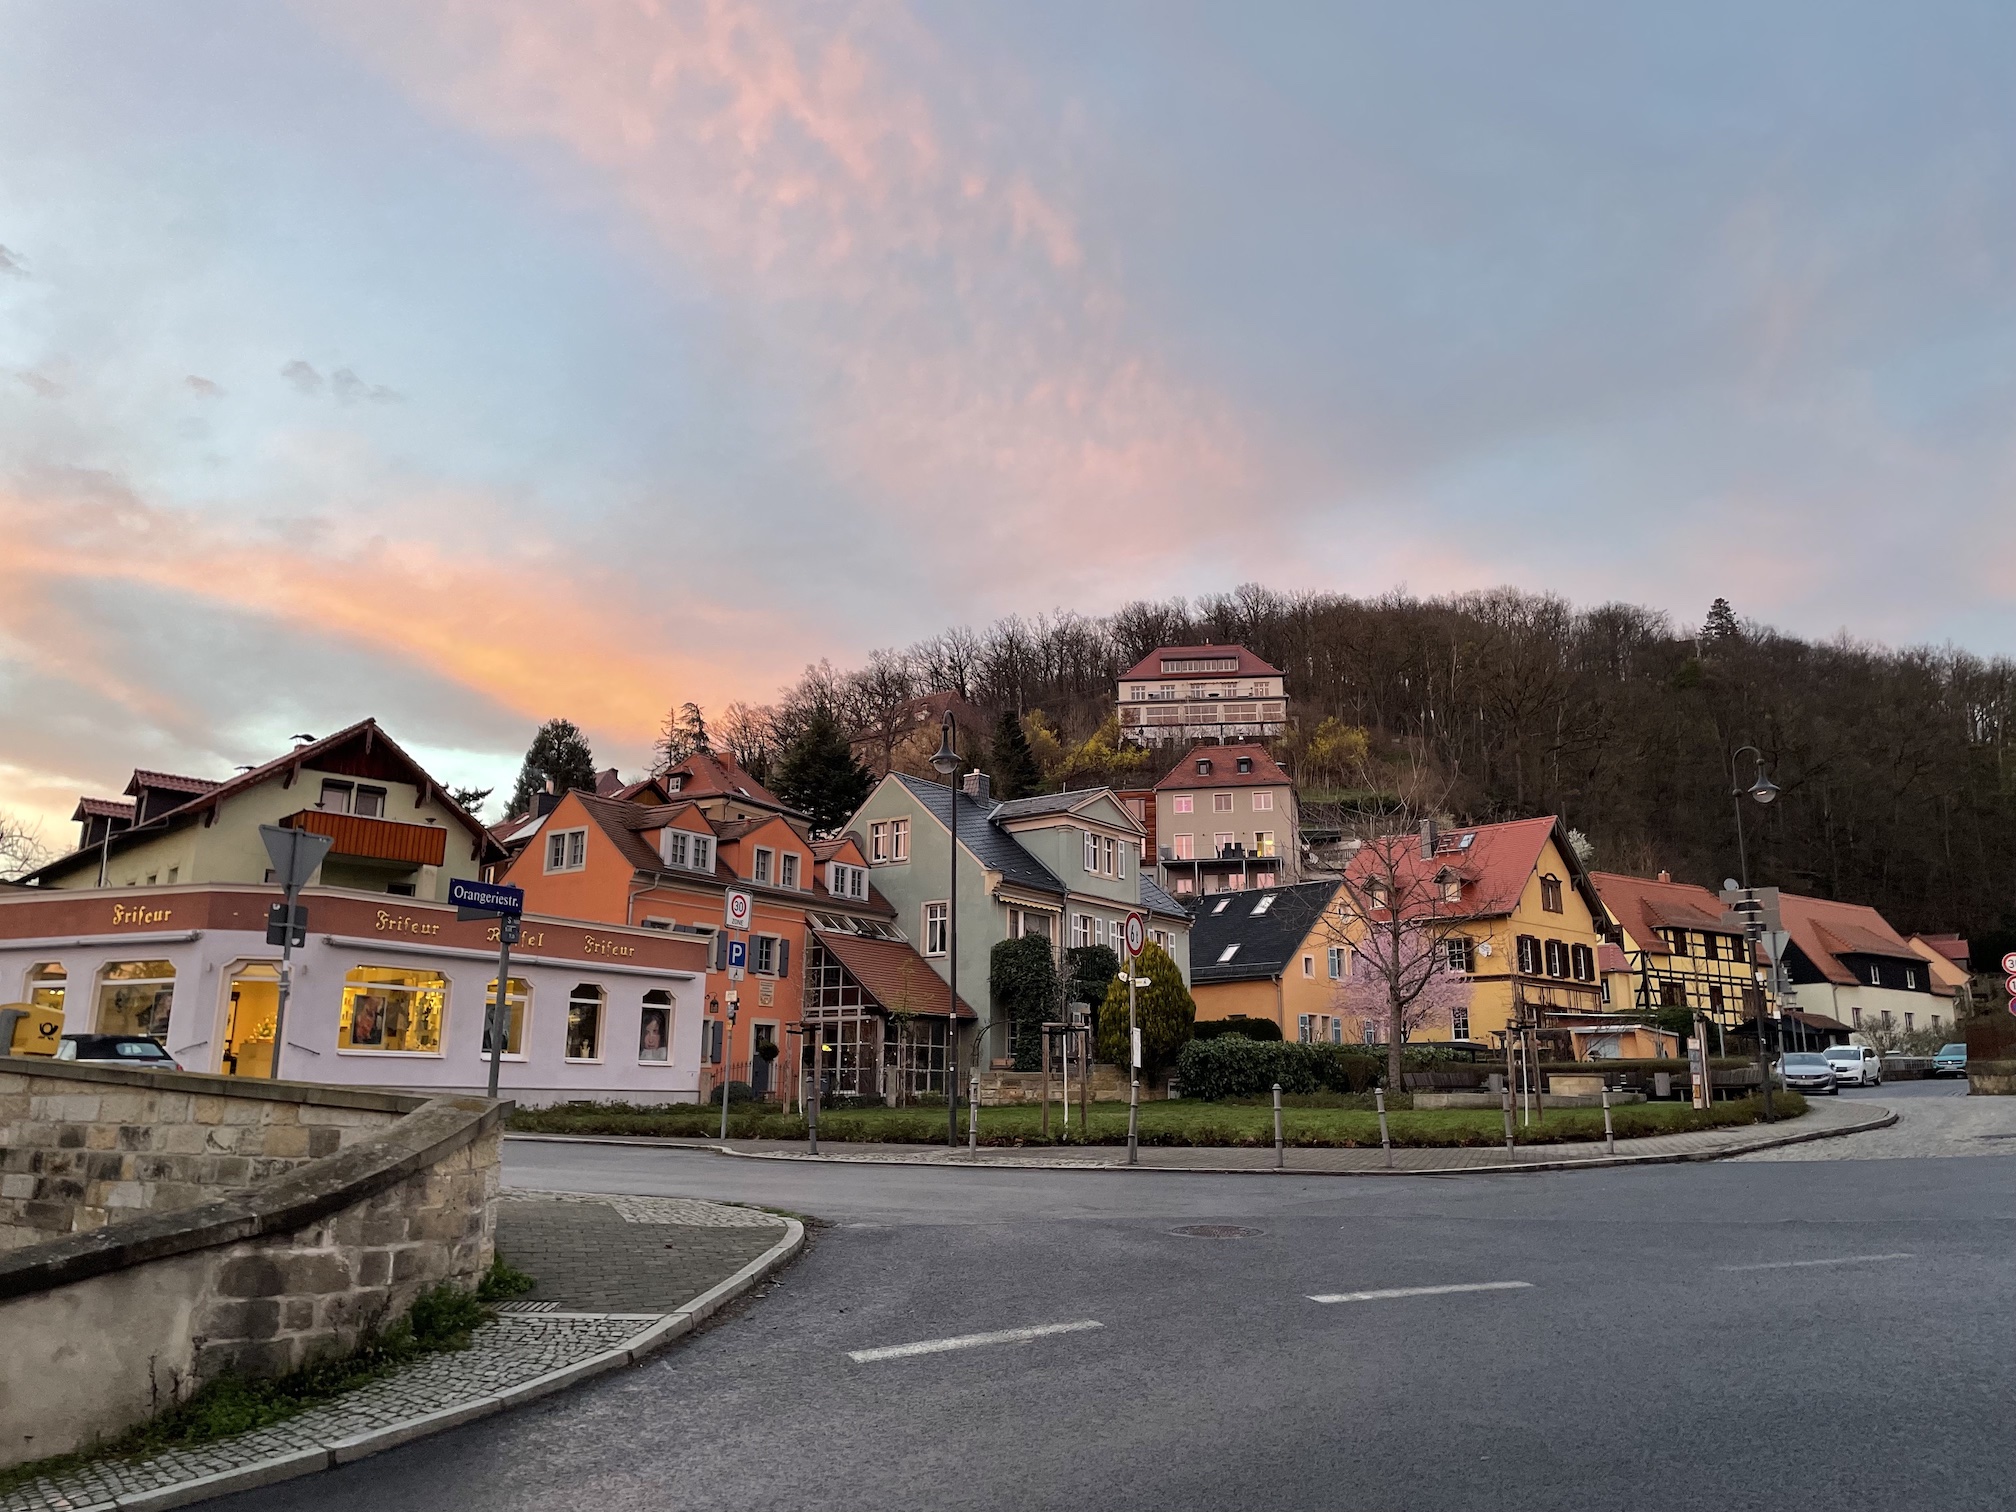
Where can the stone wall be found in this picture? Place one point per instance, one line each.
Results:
(1991, 1078)
(82, 1145)
(999, 1089)
(105, 1326)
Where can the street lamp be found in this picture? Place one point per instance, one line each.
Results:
(945, 762)
(1761, 789)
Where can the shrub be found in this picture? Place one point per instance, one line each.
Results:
(1022, 985)
(1231, 1065)
(1252, 1028)
(1164, 1009)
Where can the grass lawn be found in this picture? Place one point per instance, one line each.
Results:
(1334, 1121)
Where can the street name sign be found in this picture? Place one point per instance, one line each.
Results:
(486, 897)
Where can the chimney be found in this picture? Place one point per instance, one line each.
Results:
(544, 803)
(978, 786)
(1429, 840)
(1664, 875)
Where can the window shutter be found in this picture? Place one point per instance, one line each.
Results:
(720, 950)
(783, 958)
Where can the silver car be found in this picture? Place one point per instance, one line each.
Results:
(1807, 1071)
(1855, 1063)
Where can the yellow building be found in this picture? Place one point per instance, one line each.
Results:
(1677, 952)
(1276, 953)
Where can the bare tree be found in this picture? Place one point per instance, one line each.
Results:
(22, 848)
(749, 732)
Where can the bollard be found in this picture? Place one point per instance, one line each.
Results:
(1280, 1153)
(1609, 1134)
(812, 1107)
(973, 1116)
(1385, 1139)
(1507, 1095)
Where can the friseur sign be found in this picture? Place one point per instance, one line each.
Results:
(490, 897)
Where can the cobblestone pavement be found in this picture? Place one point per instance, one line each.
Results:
(1934, 1119)
(1708, 1143)
(617, 1264)
(635, 1254)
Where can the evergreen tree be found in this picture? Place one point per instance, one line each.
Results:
(470, 799)
(818, 773)
(1721, 623)
(559, 754)
(683, 734)
(1164, 1010)
(1016, 774)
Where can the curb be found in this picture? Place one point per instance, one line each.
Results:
(1509, 1168)
(660, 1331)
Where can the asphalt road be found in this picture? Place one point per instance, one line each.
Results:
(1821, 1333)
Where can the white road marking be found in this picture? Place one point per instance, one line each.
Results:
(1803, 1264)
(970, 1341)
(1422, 1291)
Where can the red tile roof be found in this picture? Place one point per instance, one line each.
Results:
(1495, 865)
(892, 973)
(1951, 946)
(1644, 907)
(102, 808)
(715, 774)
(1225, 773)
(1151, 664)
(1825, 929)
(168, 782)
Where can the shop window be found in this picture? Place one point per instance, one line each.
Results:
(135, 997)
(514, 1009)
(392, 1008)
(654, 1027)
(584, 1023)
(45, 985)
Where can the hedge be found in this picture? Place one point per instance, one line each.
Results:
(1231, 1065)
(1252, 1028)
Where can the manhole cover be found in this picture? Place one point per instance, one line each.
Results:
(1216, 1231)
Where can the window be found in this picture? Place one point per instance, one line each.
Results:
(1263, 843)
(1550, 893)
(1458, 953)
(1221, 845)
(1459, 1023)
(1185, 847)
(175, 871)
(1910, 972)
(1081, 930)
(1228, 952)
(1243, 763)
(1857, 1014)
(936, 916)
(845, 881)
(1368, 1030)
(1263, 904)
(654, 1027)
(1715, 998)
(1264, 879)
(1183, 803)
(1263, 803)
(1672, 994)
(1203, 766)
(765, 963)
(514, 1015)
(392, 1009)
(1221, 905)
(1678, 939)
(1302, 1028)
(1221, 803)
(787, 870)
(1112, 857)
(1936, 1021)
(335, 797)
(899, 839)
(1091, 851)
(1336, 1035)
(370, 802)
(1711, 946)
(584, 1023)
(1451, 886)
(1308, 965)
(566, 850)
(703, 853)
(674, 847)
(765, 860)
(1875, 975)
(1340, 964)
(711, 1041)
(1582, 963)
(1907, 1021)
(1557, 959)
(1887, 1020)
(878, 842)
(45, 985)
(135, 997)
(1529, 954)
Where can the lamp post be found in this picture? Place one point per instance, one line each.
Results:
(1762, 790)
(946, 764)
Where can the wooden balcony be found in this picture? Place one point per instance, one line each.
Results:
(374, 839)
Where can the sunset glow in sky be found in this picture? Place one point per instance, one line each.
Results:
(466, 363)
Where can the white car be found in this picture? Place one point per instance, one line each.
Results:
(1855, 1065)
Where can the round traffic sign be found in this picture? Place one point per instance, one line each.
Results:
(2009, 963)
(1137, 934)
(739, 904)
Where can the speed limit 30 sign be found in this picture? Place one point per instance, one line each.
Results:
(738, 907)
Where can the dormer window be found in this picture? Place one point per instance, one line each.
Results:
(1245, 763)
(1550, 893)
(1203, 766)
(1451, 886)
(760, 869)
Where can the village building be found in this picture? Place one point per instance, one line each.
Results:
(1201, 693)
(1226, 819)
(1278, 953)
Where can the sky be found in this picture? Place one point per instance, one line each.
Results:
(465, 363)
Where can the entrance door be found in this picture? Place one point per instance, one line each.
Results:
(760, 1073)
(248, 1025)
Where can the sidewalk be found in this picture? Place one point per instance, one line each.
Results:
(618, 1277)
(1828, 1120)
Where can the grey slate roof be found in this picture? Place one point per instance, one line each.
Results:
(1267, 942)
(1155, 900)
(1043, 803)
(992, 846)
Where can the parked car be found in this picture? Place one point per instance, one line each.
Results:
(1855, 1063)
(1950, 1061)
(141, 1051)
(1807, 1071)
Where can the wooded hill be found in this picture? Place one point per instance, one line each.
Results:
(1898, 778)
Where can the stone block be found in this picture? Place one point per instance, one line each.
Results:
(172, 1107)
(183, 1139)
(297, 1314)
(260, 1359)
(139, 1136)
(314, 1274)
(374, 1267)
(126, 1194)
(244, 1110)
(105, 1165)
(291, 1142)
(62, 1189)
(169, 1195)
(220, 1139)
(418, 1262)
(258, 1318)
(71, 1136)
(52, 1217)
(227, 1171)
(206, 1109)
(18, 1184)
(324, 1141)
(65, 1107)
(125, 1108)
(250, 1276)
(389, 1228)
(163, 1168)
(101, 1137)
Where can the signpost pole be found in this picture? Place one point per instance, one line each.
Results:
(500, 1008)
(295, 853)
(291, 895)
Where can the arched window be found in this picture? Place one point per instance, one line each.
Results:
(393, 1009)
(654, 1028)
(135, 997)
(516, 1007)
(46, 982)
(1550, 893)
(584, 1022)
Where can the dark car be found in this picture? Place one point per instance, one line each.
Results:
(141, 1051)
